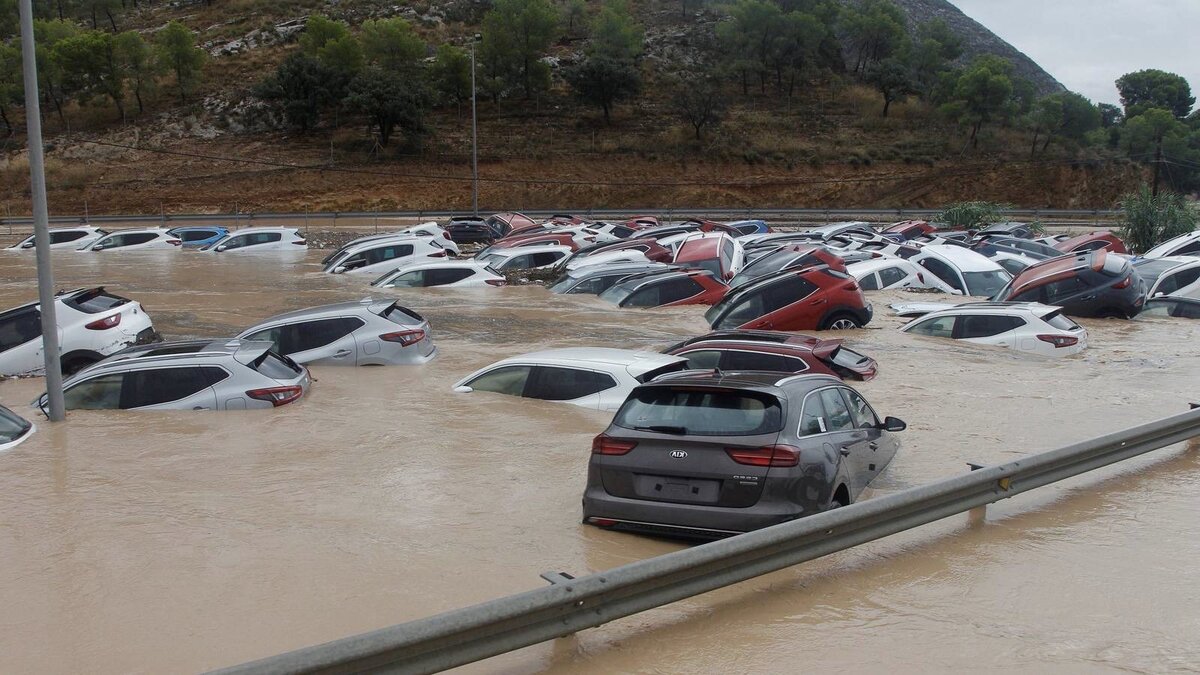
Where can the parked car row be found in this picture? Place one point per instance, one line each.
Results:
(210, 239)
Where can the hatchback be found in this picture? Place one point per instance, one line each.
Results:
(146, 239)
(774, 351)
(198, 237)
(384, 255)
(1095, 284)
(473, 229)
(888, 273)
(92, 324)
(365, 333)
(260, 240)
(597, 378)
(712, 454)
(451, 273)
(196, 375)
(668, 288)
(63, 237)
(649, 248)
(812, 298)
(1022, 326)
(14, 429)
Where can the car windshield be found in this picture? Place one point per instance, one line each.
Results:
(12, 427)
(701, 411)
(494, 260)
(1151, 269)
(562, 283)
(986, 283)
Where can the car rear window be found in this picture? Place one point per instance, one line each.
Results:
(848, 358)
(401, 315)
(95, 301)
(1060, 322)
(701, 411)
(276, 367)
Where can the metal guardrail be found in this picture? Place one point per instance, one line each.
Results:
(568, 605)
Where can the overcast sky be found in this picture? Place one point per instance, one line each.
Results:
(1088, 44)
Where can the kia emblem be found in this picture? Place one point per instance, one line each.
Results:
(678, 454)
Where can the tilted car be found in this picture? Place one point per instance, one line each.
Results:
(787, 257)
(1028, 247)
(595, 279)
(144, 239)
(14, 429)
(1010, 229)
(1185, 244)
(1021, 326)
(889, 273)
(451, 273)
(383, 255)
(1174, 276)
(774, 351)
(810, 298)
(473, 229)
(260, 240)
(1093, 241)
(63, 237)
(745, 227)
(711, 454)
(668, 288)
(963, 270)
(366, 333)
(198, 236)
(597, 378)
(193, 375)
(909, 229)
(716, 252)
(92, 324)
(524, 257)
(1094, 284)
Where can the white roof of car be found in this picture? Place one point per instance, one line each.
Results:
(963, 258)
(876, 264)
(133, 230)
(1171, 244)
(999, 308)
(445, 265)
(525, 250)
(253, 230)
(636, 363)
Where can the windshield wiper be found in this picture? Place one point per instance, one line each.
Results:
(663, 429)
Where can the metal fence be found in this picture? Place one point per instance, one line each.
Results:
(572, 604)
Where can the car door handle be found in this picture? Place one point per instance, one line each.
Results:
(819, 302)
(199, 407)
(342, 352)
(845, 452)
(873, 445)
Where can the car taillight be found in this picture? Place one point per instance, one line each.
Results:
(175, 242)
(404, 337)
(770, 455)
(1124, 283)
(300, 242)
(607, 445)
(496, 282)
(439, 254)
(277, 396)
(105, 323)
(602, 522)
(1059, 341)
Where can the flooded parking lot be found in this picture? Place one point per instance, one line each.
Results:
(152, 542)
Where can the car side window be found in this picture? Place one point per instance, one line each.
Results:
(273, 335)
(1191, 249)
(891, 275)
(507, 380)
(314, 334)
(739, 360)
(986, 326)
(1056, 291)
(443, 277)
(943, 272)
(235, 242)
(264, 238)
(680, 288)
(518, 262)
(160, 385)
(939, 327)
(98, 393)
(379, 255)
(595, 285)
(785, 292)
(414, 279)
(860, 411)
(565, 384)
(647, 296)
(812, 418)
(20, 327)
(540, 259)
(869, 282)
(837, 413)
(1091, 246)
(198, 235)
(63, 237)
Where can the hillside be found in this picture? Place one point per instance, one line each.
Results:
(827, 146)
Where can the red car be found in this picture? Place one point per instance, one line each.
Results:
(641, 222)
(526, 231)
(717, 253)
(910, 229)
(810, 298)
(774, 351)
(666, 289)
(560, 239)
(1092, 241)
(654, 251)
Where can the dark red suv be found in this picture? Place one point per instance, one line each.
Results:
(812, 298)
(774, 351)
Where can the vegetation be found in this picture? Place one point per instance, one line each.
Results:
(1151, 219)
(971, 215)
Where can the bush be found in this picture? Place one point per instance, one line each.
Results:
(1150, 220)
(971, 215)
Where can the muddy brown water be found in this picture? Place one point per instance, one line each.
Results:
(175, 542)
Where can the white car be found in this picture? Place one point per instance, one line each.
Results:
(432, 229)
(585, 235)
(716, 252)
(1013, 263)
(963, 270)
(92, 324)
(1175, 276)
(884, 274)
(456, 273)
(1185, 244)
(63, 237)
(260, 240)
(597, 378)
(383, 255)
(608, 258)
(14, 429)
(524, 257)
(143, 239)
(1023, 326)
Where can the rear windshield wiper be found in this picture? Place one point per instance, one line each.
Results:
(663, 429)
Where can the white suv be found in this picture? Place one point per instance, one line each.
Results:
(145, 239)
(92, 324)
(259, 240)
(63, 237)
(384, 255)
(1023, 326)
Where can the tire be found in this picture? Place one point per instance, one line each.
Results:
(840, 321)
(835, 503)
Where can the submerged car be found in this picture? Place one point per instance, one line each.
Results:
(451, 273)
(63, 237)
(595, 279)
(14, 429)
(383, 255)
(1185, 244)
(1021, 326)
(260, 240)
(366, 333)
(963, 270)
(1179, 308)
(92, 324)
(1094, 284)
(774, 351)
(888, 273)
(786, 257)
(716, 252)
(1093, 241)
(668, 288)
(524, 257)
(812, 298)
(1174, 276)
(194, 375)
(199, 236)
(712, 454)
(144, 239)
(597, 378)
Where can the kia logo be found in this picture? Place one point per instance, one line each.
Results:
(678, 454)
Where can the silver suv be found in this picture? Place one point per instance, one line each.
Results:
(195, 375)
(366, 333)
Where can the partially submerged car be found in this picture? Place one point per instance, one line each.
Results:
(1093, 241)
(62, 237)
(711, 454)
(787, 257)
(595, 279)
(260, 240)
(92, 324)
(883, 274)
(370, 332)
(1021, 326)
(963, 270)
(716, 252)
(1094, 284)
(1174, 276)
(1185, 244)
(774, 351)
(524, 258)
(383, 255)
(192, 375)
(667, 288)
(473, 229)
(597, 378)
(451, 273)
(14, 429)
(1180, 308)
(909, 229)
(811, 298)
(199, 236)
(142, 239)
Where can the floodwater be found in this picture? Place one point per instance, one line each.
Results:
(175, 542)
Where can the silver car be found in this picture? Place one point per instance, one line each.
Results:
(366, 333)
(195, 375)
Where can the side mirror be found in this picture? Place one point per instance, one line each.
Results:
(28, 244)
(894, 424)
(1160, 294)
(463, 389)
(337, 270)
(99, 247)
(220, 248)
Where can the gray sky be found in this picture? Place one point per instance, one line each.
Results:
(1087, 44)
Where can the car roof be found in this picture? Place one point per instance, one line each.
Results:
(963, 258)
(372, 305)
(876, 264)
(447, 264)
(135, 230)
(252, 230)
(618, 267)
(1173, 260)
(244, 351)
(636, 362)
(700, 248)
(526, 250)
(1000, 308)
(765, 381)
(1058, 268)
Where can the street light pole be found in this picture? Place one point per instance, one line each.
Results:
(41, 218)
(474, 137)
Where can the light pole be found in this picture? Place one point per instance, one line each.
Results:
(474, 136)
(41, 218)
